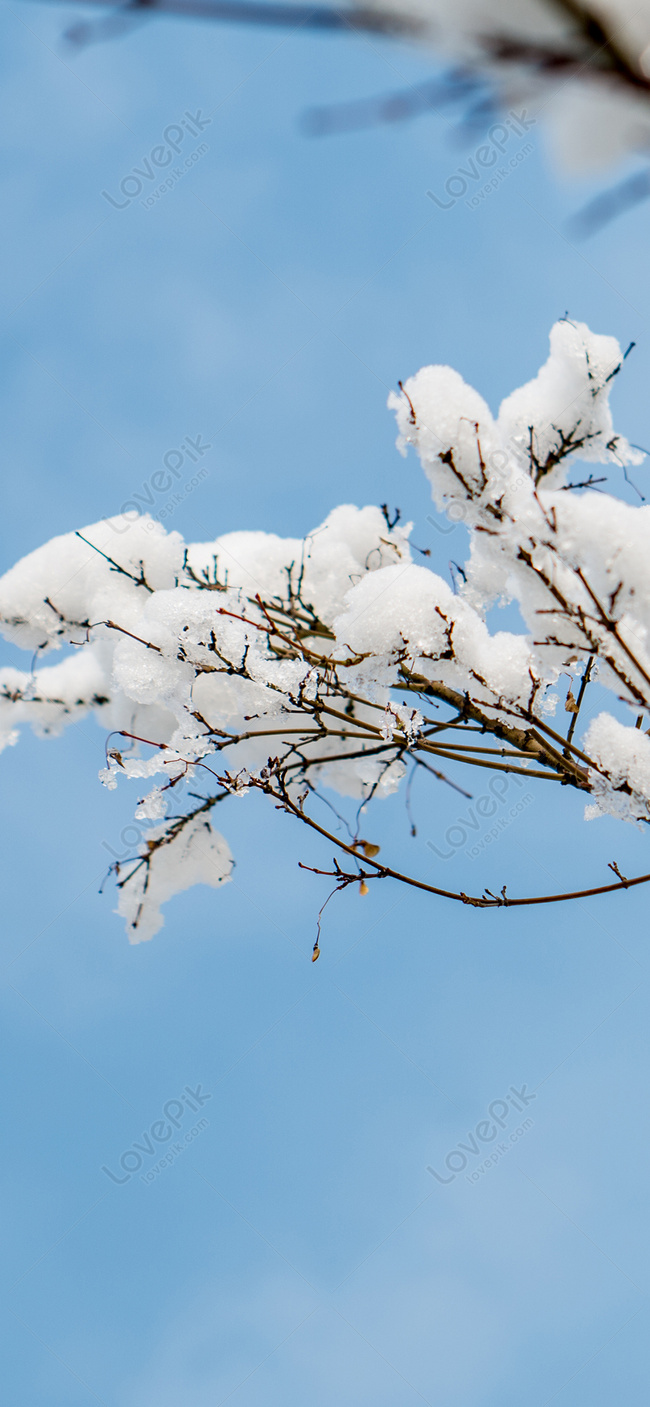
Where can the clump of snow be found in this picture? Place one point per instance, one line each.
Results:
(623, 754)
(153, 806)
(568, 400)
(54, 696)
(196, 855)
(409, 617)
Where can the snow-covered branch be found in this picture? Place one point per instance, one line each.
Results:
(287, 666)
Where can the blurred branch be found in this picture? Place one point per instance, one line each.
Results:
(604, 50)
(252, 12)
(595, 49)
(398, 106)
(610, 204)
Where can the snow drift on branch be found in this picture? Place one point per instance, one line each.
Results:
(255, 662)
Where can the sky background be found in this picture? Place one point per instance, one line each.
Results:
(298, 1250)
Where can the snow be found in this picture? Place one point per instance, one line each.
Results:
(624, 755)
(197, 855)
(203, 661)
(538, 60)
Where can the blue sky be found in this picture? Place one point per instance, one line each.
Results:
(297, 1249)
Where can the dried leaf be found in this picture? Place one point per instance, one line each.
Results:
(316, 953)
(363, 887)
(370, 850)
(570, 704)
